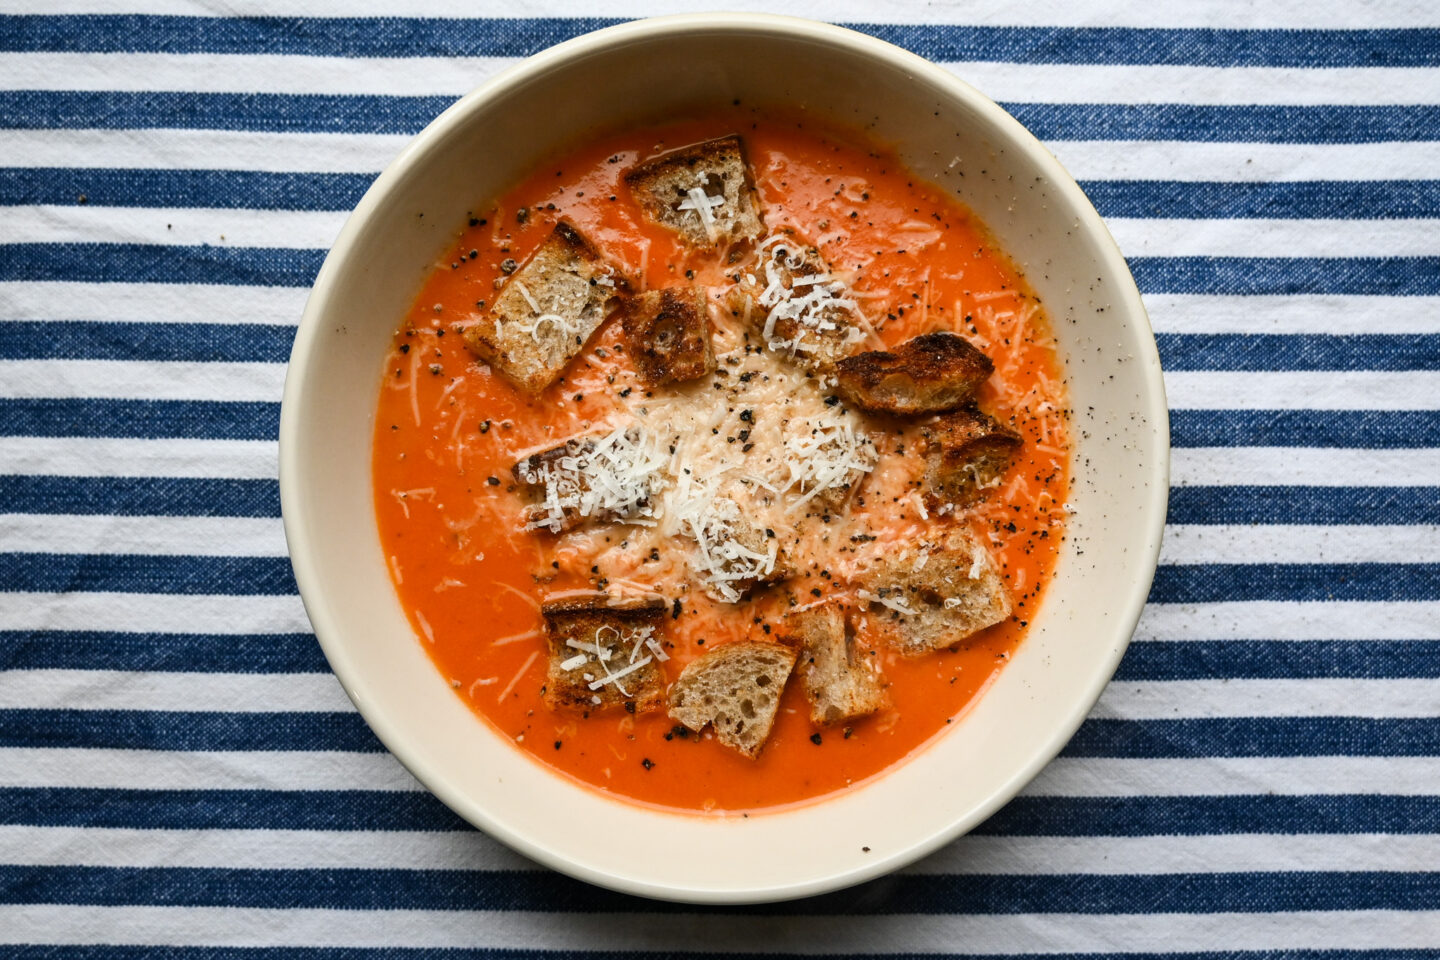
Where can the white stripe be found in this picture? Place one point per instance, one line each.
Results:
(1287, 620)
(1233, 853)
(1247, 162)
(1281, 13)
(1155, 237)
(165, 536)
(183, 692)
(179, 227)
(150, 302)
(1201, 543)
(201, 150)
(1302, 390)
(1236, 776)
(436, 76)
(142, 379)
(1173, 699)
(971, 855)
(129, 457)
(676, 933)
(196, 770)
(1302, 466)
(261, 73)
(152, 612)
(1204, 313)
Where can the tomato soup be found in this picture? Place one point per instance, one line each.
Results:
(449, 429)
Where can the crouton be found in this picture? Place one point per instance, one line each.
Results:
(668, 334)
(703, 192)
(736, 688)
(546, 311)
(966, 453)
(932, 373)
(798, 306)
(604, 476)
(937, 596)
(599, 655)
(841, 682)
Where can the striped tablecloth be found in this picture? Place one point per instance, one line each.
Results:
(179, 769)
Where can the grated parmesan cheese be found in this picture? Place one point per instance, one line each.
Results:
(613, 477)
(704, 207)
(898, 604)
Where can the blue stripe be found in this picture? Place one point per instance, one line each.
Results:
(1311, 351)
(1201, 816)
(1270, 276)
(222, 189)
(292, 267)
(186, 730)
(1304, 199)
(170, 419)
(1220, 582)
(160, 263)
(161, 652)
(258, 420)
(192, 342)
(521, 37)
(1311, 505)
(145, 573)
(264, 190)
(1276, 659)
(1258, 737)
(108, 952)
(1192, 738)
(391, 810)
(141, 496)
(374, 113)
(1365, 429)
(537, 890)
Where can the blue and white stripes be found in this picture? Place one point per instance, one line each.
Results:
(181, 776)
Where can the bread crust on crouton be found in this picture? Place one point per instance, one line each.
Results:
(841, 682)
(817, 335)
(967, 453)
(608, 624)
(667, 332)
(931, 373)
(547, 310)
(736, 689)
(953, 593)
(663, 188)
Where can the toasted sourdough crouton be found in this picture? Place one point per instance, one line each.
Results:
(797, 305)
(840, 681)
(604, 476)
(702, 192)
(546, 311)
(930, 603)
(736, 688)
(599, 657)
(668, 334)
(931, 373)
(966, 453)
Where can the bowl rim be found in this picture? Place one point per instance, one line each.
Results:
(303, 554)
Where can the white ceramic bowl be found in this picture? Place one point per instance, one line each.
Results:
(644, 71)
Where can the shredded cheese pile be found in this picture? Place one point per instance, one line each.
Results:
(722, 559)
(613, 477)
(811, 301)
(822, 453)
(703, 206)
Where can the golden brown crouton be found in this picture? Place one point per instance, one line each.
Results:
(736, 688)
(932, 373)
(599, 654)
(798, 307)
(937, 596)
(966, 453)
(841, 682)
(668, 334)
(703, 192)
(546, 311)
(604, 476)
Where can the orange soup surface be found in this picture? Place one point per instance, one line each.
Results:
(449, 430)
